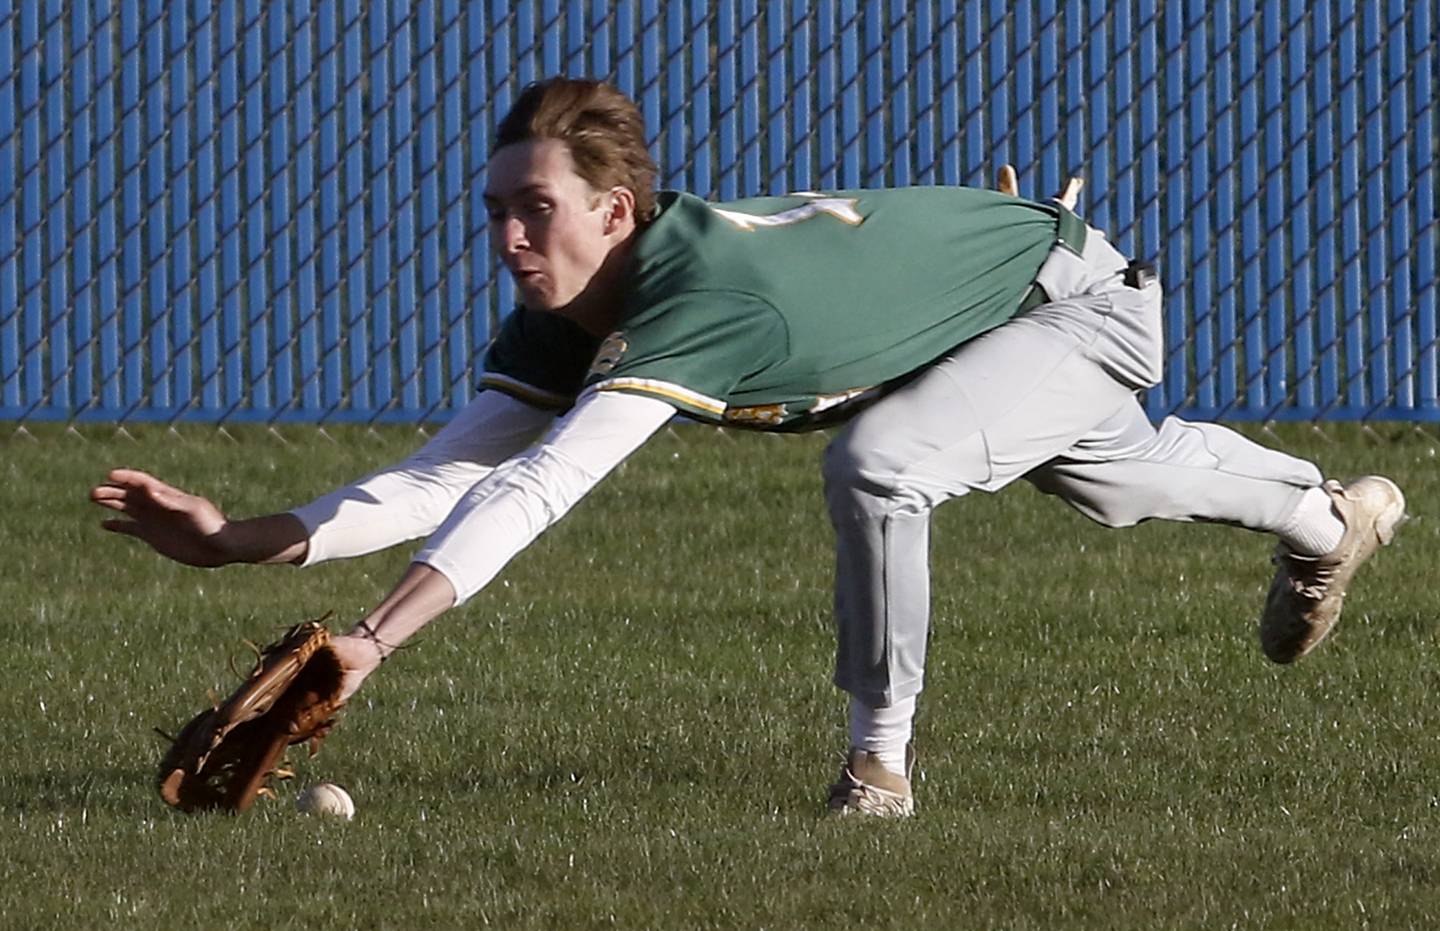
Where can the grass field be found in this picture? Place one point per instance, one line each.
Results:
(634, 726)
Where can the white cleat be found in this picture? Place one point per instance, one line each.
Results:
(866, 787)
(1308, 592)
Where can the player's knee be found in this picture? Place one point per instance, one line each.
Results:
(848, 466)
(861, 482)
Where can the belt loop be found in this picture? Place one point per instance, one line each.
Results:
(1138, 275)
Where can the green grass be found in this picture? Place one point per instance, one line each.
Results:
(634, 726)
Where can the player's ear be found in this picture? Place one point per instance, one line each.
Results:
(621, 211)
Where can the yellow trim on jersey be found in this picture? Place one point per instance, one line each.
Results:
(663, 389)
(537, 397)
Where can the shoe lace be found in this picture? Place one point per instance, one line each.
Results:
(872, 799)
(1309, 577)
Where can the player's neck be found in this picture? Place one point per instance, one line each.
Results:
(597, 308)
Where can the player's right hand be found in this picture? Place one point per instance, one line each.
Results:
(187, 528)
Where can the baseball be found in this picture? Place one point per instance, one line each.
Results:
(326, 799)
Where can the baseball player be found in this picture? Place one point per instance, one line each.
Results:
(964, 338)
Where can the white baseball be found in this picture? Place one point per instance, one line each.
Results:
(326, 799)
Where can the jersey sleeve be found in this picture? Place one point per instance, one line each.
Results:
(539, 358)
(515, 503)
(693, 351)
(410, 498)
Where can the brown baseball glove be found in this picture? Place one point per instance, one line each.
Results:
(226, 755)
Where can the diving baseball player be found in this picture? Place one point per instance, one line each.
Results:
(964, 338)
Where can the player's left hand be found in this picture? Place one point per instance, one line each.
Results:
(358, 659)
(227, 755)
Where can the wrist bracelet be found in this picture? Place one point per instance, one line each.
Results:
(381, 646)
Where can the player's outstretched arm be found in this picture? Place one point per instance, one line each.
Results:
(421, 595)
(498, 518)
(408, 499)
(189, 528)
(398, 503)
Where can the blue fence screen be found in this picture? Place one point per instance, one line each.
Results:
(241, 210)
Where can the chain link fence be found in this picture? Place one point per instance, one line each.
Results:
(235, 210)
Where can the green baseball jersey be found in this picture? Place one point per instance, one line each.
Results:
(540, 358)
(787, 312)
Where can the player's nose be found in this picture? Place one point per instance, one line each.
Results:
(512, 236)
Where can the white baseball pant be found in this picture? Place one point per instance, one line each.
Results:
(1050, 397)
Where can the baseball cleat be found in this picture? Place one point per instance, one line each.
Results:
(1308, 591)
(866, 787)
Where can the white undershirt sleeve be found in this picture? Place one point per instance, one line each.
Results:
(409, 499)
(519, 500)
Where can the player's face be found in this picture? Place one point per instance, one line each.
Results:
(549, 226)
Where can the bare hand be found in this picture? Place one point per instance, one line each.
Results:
(187, 528)
(358, 657)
